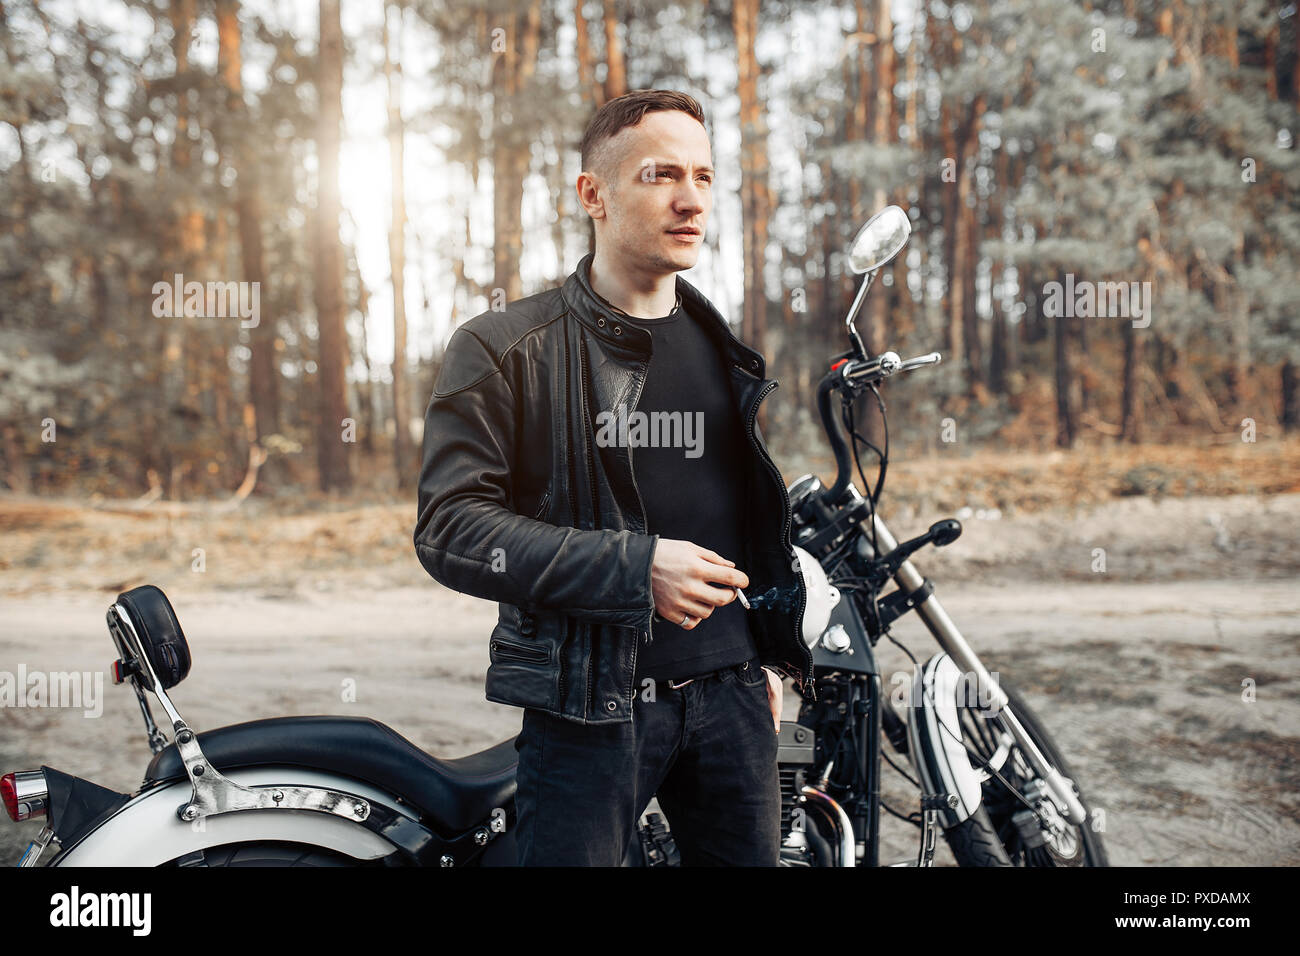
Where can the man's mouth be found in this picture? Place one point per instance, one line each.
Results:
(684, 231)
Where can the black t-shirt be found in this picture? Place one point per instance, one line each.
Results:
(692, 485)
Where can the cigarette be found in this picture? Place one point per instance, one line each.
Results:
(744, 601)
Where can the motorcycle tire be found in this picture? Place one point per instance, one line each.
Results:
(264, 854)
(975, 841)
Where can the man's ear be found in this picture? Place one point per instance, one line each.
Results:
(591, 194)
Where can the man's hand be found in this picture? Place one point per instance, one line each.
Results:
(683, 577)
(775, 693)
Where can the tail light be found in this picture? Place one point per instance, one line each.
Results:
(25, 794)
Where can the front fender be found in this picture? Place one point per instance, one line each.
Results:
(940, 759)
(147, 832)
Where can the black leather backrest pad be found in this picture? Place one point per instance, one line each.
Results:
(160, 632)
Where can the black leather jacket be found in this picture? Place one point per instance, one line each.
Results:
(520, 505)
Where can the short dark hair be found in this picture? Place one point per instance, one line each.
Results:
(628, 110)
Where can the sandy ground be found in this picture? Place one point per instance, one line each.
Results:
(1136, 670)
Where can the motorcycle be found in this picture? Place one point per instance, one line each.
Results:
(350, 791)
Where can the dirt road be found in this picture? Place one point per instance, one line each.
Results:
(1175, 700)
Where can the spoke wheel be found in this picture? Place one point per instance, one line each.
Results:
(1027, 824)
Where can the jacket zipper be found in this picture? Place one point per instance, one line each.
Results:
(573, 495)
(588, 672)
(573, 513)
(636, 399)
(649, 628)
(568, 630)
(591, 667)
(785, 532)
(586, 435)
(541, 509)
(508, 650)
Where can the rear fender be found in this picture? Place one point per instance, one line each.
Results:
(147, 831)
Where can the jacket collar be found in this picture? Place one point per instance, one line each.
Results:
(606, 324)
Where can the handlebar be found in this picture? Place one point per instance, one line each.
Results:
(882, 366)
(853, 375)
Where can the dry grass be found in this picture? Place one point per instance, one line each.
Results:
(285, 545)
(1033, 481)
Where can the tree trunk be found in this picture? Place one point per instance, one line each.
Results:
(555, 178)
(755, 204)
(263, 379)
(1065, 428)
(367, 395)
(1085, 385)
(876, 309)
(1290, 396)
(755, 198)
(999, 335)
(616, 72)
(1034, 324)
(828, 298)
(878, 306)
(968, 236)
(24, 160)
(999, 351)
(185, 243)
(589, 90)
(952, 242)
(403, 452)
(969, 301)
(332, 455)
(510, 149)
(1130, 424)
(904, 318)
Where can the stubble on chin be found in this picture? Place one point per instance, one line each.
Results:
(679, 263)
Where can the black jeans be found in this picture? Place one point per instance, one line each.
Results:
(706, 750)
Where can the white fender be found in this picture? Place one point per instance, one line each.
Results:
(147, 832)
(940, 759)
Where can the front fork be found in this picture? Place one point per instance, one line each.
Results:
(909, 580)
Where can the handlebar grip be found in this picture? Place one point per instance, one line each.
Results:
(930, 358)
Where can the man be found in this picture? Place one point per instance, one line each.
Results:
(591, 461)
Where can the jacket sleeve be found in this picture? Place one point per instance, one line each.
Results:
(468, 537)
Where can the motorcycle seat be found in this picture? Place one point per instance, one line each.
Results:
(455, 794)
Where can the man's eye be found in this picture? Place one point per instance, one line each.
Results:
(665, 172)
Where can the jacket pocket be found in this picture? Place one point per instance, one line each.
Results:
(503, 650)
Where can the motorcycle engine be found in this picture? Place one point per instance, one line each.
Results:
(795, 754)
(796, 749)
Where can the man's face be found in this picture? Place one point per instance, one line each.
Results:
(663, 182)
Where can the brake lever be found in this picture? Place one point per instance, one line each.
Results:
(941, 534)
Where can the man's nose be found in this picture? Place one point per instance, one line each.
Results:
(689, 203)
(689, 199)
